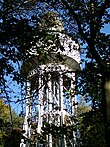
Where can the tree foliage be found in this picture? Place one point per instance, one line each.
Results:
(10, 132)
(90, 125)
(83, 20)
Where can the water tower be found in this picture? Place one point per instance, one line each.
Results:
(49, 86)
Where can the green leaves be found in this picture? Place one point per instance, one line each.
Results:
(25, 30)
(8, 133)
(92, 127)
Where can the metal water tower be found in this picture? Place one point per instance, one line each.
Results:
(48, 98)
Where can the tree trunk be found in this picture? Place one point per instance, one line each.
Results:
(106, 105)
(107, 109)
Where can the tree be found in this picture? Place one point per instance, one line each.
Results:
(10, 133)
(84, 20)
(20, 33)
(90, 125)
(4, 113)
(83, 107)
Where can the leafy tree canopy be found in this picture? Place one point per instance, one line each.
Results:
(83, 20)
(10, 126)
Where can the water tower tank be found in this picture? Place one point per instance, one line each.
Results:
(50, 88)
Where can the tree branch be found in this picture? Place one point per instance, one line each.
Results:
(75, 16)
(102, 11)
(93, 31)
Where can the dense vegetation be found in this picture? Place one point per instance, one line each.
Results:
(10, 126)
(83, 21)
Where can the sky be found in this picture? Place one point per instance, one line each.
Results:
(106, 29)
(17, 89)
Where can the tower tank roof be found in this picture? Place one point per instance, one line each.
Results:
(51, 21)
(71, 50)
